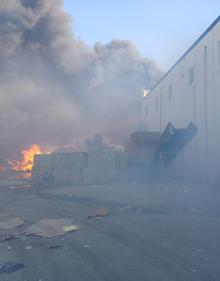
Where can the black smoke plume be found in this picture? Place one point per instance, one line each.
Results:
(54, 88)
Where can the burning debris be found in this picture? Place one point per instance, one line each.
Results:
(27, 162)
(69, 90)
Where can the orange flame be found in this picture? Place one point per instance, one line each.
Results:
(26, 164)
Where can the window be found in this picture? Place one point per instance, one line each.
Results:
(191, 75)
(156, 103)
(170, 91)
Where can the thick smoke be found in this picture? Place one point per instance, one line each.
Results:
(55, 89)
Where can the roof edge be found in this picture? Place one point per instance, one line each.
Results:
(186, 53)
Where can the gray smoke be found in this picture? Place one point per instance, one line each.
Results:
(55, 89)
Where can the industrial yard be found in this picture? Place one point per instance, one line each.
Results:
(165, 232)
(109, 141)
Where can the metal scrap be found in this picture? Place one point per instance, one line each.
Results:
(55, 247)
(10, 267)
(103, 212)
(51, 227)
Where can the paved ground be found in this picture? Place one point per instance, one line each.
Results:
(151, 233)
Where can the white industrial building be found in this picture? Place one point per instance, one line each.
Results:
(190, 92)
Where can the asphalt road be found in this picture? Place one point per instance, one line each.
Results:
(150, 233)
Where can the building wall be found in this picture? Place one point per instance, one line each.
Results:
(191, 92)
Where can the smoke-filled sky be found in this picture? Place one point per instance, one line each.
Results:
(161, 30)
(54, 88)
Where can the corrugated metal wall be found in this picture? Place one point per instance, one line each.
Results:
(191, 92)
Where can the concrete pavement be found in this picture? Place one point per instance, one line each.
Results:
(150, 233)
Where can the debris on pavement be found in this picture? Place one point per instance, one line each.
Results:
(70, 228)
(50, 227)
(10, 223)
(87, 246)
(9, 237)
(10, 267)
(55, 247)
(103, 212)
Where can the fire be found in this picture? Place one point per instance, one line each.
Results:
(27, 161)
